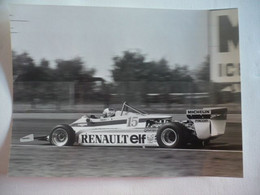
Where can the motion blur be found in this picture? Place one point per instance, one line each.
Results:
(70, 86)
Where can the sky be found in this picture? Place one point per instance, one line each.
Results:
(98, 34)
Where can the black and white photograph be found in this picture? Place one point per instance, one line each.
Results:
(125, 92)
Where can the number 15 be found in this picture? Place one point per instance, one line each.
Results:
(132, 121)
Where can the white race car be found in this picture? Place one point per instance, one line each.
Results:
(133, 127)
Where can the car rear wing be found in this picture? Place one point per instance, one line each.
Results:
(207, 113)
(208, 122)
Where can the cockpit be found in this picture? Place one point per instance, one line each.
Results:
(125, 110)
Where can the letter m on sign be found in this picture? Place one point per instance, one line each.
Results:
(227, 32)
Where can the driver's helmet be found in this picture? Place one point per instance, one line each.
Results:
(109, 112)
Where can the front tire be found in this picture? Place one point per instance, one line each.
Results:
(62, 135)
(169, 136)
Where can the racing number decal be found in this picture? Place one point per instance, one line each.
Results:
(132, 121)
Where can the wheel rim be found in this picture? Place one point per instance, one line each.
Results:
(59, 137)
(169, 137)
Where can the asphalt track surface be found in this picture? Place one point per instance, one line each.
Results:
(223, 157)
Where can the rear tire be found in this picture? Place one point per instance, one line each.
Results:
(170, 136)
(62, 135)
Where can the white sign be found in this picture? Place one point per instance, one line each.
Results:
(224, 46)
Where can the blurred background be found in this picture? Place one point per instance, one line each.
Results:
(83, 59)
(152, 85)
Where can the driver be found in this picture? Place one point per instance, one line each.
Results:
(108, 112)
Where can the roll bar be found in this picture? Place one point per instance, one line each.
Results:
(125, 106)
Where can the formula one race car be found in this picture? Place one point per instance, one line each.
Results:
(133, 127)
